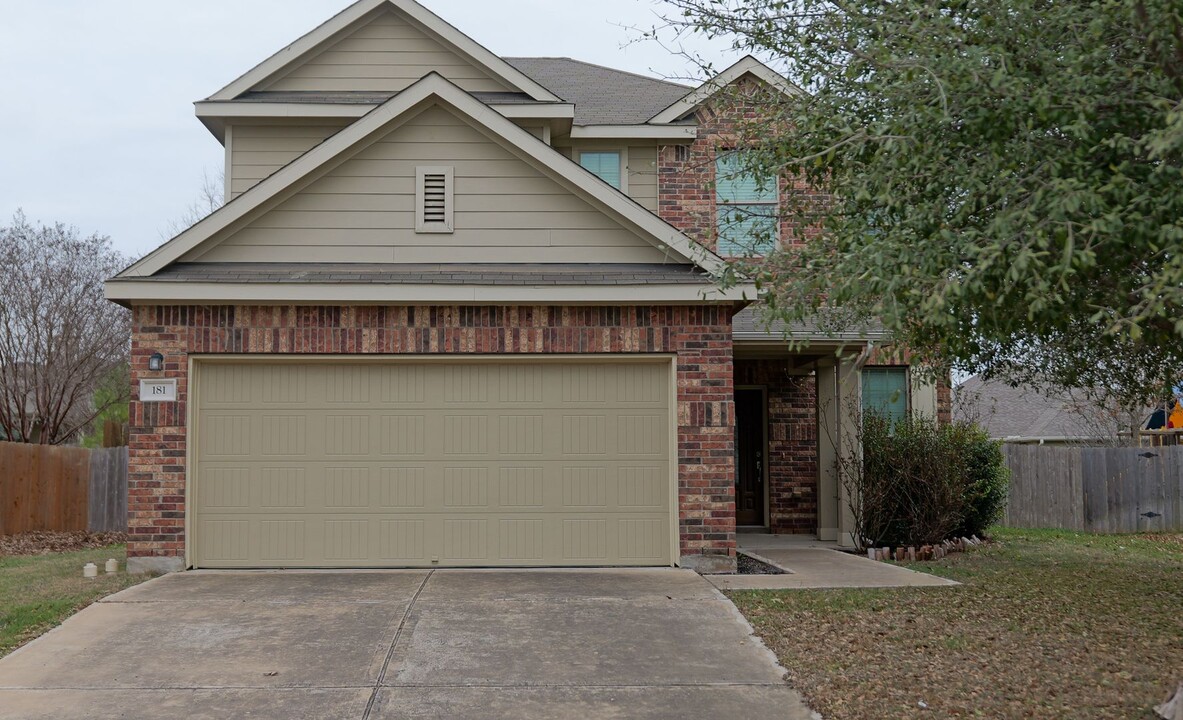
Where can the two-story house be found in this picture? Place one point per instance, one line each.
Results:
(461, 310)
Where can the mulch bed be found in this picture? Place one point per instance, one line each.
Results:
(44, 543)
(746, 565)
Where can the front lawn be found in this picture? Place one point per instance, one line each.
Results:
(1048, 624)
(37, 592)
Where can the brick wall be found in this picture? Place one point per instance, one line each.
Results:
(686, 173)
(944, 401)
(792, 443)
(700, 337)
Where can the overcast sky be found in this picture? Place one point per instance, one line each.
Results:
(97, 127)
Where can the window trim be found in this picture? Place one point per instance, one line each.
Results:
(422, 225)
(621, 152)
(720, 206)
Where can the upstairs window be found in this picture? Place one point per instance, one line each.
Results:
(747, 212)
(433, 199)
(885, 391)
(603, 164)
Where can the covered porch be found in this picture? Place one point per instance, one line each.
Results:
(793, 411)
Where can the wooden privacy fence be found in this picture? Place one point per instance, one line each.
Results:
(1095, 489)
(44, 487)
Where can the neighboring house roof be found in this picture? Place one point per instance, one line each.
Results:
(690, 101)
(1032, 413)
(602, 96)
(358, 13)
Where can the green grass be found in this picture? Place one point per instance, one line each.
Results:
(38, 592)
(1046, 624)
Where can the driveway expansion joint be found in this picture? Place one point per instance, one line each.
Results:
(398, 633)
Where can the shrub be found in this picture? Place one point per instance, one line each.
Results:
(911, 495)
(921, 481)
(987, 484)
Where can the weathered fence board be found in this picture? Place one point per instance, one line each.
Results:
(108, 490)
(44, 487)
(1095, 489)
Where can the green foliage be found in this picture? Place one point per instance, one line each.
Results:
(911, 494)
(923, 481)
(113, 395)
(1006, 176)
(987, 483)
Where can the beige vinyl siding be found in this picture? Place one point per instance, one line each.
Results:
(363, 210)
(640, 163)
(257, 151)
(386, 53)
(642, 175)
(417, 464)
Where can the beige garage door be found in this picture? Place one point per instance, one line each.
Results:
(396, 464)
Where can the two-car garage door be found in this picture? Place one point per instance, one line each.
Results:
(399, 463)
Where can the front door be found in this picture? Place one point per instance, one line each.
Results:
(749, 476)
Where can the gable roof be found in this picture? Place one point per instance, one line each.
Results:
(602, 96)
(358, 13)
(432, 87)
(747, 66)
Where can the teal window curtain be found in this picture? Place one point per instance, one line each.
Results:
(747, 212)
(604, 165)
(885, 390)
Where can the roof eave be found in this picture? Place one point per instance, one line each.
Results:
(145, 292)
(672, 133)
(214, 114)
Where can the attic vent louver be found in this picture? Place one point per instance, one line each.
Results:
(433, 199)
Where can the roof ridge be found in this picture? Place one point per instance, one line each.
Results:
(510, 58)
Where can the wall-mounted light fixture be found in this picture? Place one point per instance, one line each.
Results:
(156, 362)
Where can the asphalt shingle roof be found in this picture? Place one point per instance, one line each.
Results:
(602, 96)
(1033, 412)
(434, 274)
(753, 323)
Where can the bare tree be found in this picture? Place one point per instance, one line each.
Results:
(59, 337)
(209, 198)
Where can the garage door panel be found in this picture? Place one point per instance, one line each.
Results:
(227, 488)
(402, 487)
(402, 540)
(433, 465)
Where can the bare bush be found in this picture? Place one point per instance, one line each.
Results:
(59, 337)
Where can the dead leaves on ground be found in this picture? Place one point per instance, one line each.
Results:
(44, 543)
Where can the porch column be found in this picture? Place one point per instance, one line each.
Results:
(838, 392)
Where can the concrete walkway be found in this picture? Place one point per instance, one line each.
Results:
(403, 644)
(813, 564)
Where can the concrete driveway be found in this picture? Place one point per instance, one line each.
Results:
(403, 644)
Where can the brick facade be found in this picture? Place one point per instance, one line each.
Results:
(700, 336)
(792, 443)
(686, 173)
(686, 200)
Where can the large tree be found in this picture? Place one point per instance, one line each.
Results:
(60, 339)
(1006, 176)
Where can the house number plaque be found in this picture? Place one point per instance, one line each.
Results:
(158, 390)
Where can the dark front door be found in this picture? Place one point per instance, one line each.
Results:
(749, 476)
